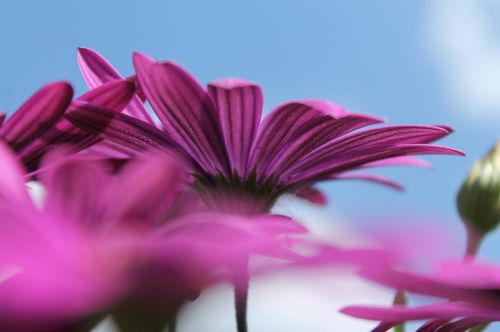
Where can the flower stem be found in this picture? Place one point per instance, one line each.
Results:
(400, 299)
(241, 284)
(474, 239)
(172, 322)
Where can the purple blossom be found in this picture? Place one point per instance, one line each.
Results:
(232, 152)
(102, 239)
(469, 288)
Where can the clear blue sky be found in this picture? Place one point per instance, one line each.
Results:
(369, 56)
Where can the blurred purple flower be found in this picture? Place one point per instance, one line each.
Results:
(102, 239)
(470, 288)
(232, 152)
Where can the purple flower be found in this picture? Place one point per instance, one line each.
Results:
(469, 288)
(38, 124)
(232, 152)
(104, 240)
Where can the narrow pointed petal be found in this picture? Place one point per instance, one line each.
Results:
(119, 128)
(185, 110)
(12, 182)
(354, 159)
(370, 178)
(37, 114)
(312, 195)
(239, 107)
(446, 310)
(114, 95)
(301, 127)
(376, 139)
(2, 118)
(399, 161)
(96, 70)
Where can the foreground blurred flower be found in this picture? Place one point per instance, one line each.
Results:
(113, 242)
(471, 290)
(232, 153)
(478, 200)
(38, 125)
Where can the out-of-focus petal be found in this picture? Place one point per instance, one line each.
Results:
(75, 187)
(50, 275)
(37, 114)
(2, 118)
(312, 195)
(446, 310)
(156, 181)
(12, 180)
(239, 107)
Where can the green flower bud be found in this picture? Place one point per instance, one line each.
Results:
(479, 197)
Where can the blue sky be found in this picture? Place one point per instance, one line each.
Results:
(394, 59)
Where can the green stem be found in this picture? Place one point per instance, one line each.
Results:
(172, 322)
(241, 284)
(479, 328)
(400, 299)
(474, 240)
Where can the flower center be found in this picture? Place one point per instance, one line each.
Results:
(237, 195)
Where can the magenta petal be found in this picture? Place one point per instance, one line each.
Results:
(2, 118)
(294, 129)
(363, 141)
(156, 181)
(74, 187)
(312, 195)
(371, 178)
(446, 310)
(62, 133)
(239, 107)
(185, 109)
(399, 161)
(353, 159)
(12, 182)
(49, 272)
(119, 128)
(37, 114)
(97, 71)
(114, 95)
(212, 240)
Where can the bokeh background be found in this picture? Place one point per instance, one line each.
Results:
(414, 61)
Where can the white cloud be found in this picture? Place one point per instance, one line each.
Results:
(467, 51)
